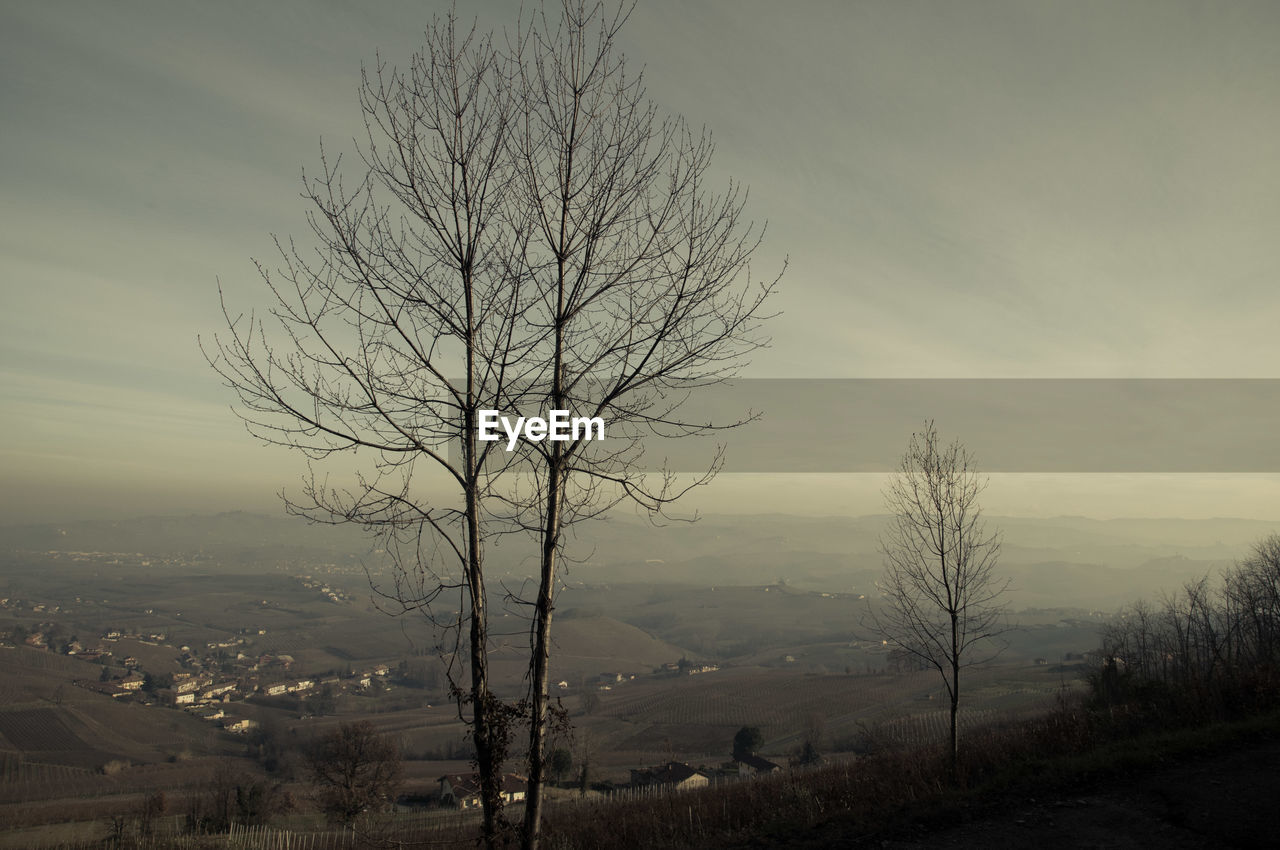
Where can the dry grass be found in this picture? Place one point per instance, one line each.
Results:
(881, 793)
(876, 796)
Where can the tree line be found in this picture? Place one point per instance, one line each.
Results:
(1208, 648)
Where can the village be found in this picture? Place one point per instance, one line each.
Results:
(214, 682)
(216, 678)
(209, 679)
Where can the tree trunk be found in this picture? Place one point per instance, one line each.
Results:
(541, 661)
(481, 699)
(488, 753)
(955, 697)
(954, 750)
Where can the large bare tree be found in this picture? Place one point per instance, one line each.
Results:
(644, 292)
(526, 233)
(389, 333)
(941, 597)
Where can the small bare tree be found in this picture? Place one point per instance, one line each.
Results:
(1255, 587)
(940, 597)
(1206, 647)
(354, 770)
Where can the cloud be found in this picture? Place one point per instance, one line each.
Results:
(965, 190)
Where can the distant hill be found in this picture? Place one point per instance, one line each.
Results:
(1055, 562)
(603, 642)
(194, 534)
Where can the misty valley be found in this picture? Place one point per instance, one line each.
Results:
(176, 656)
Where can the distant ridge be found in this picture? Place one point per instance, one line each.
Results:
(161, 535)
(1058, 561)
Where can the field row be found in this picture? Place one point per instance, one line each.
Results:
(37, 729)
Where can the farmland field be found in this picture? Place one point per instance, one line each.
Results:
(697, 715)
(37, 729)
(785, 658)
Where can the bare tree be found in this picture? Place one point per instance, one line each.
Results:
(1255, 585)
(644, 292)
(527, 231)
(940, 597)
(1209, 646)
(355, 770)
(390, 335)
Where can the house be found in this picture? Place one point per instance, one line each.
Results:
(754, 765)
(168, 696)
(243, 724)
(132, 682)
(190, 684)
(218, 690)
(673, 774)
(111, 689)
(463, 790)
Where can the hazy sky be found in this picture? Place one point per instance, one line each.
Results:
(978, 189)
